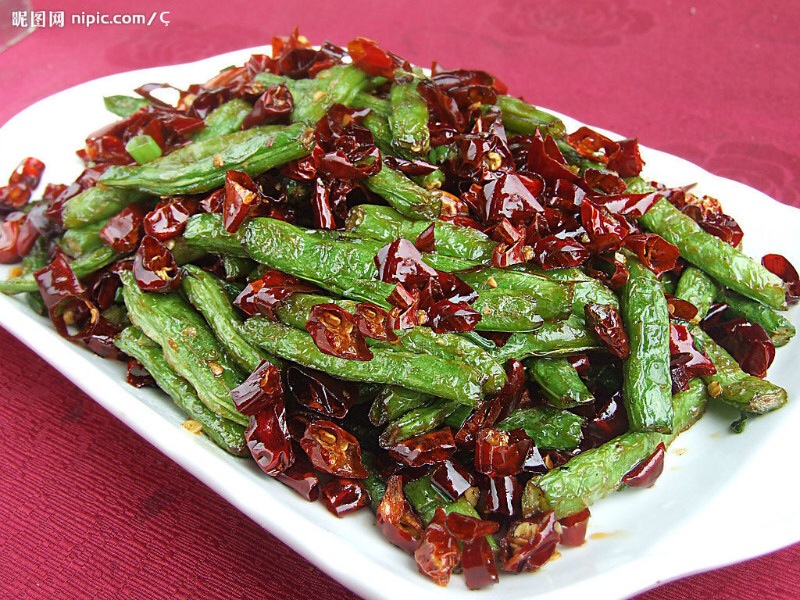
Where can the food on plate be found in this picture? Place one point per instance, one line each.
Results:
(403, 291)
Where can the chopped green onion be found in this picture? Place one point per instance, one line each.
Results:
(143, 149)
(122, 106)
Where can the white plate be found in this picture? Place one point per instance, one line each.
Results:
(722, 498)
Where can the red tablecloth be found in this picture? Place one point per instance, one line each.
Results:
(87, 509)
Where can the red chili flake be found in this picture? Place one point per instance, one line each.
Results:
(604, 181)
(261, 388)
(29, 171)
(321, 392)
(486, 415)
(446, 286)
(501, 495)
(656, 253)
(747, 342)
(410, 167)
(505, 255)
(241, 194)
(780, 266)
(534, 462)
(323, 212)
(396, 519)
(680, 308)
(477, 560)
(681, 347)
(168, 219)
(607, 269)
(123, 231)
(400, 262)
(268, 439)
(607, 231)
(427, 449)
(606, 322)
(373, 60)
(214, 202)
(273, 106)
(508, 197)
(136, 375)
(262, 295)
(405, 319)
(501, 453)
(466, 528)
(14, 196)
(373, 322)
(17, 236)
(438, 552)
(573, 528)
(446, 118)
(301, 476)
(425, 241)
(645, 473)
(452, 479)
(722, 226)
(628, 205)
(344, 147)
(505, 233)
(335, 333)
(342, 496)
(451, 317)
(626, 160)
(552, 252)
(301, 169)
(333, 450)
(529, 543)
(592, 145)
(155, 268)
(610, 421)
(403, 297)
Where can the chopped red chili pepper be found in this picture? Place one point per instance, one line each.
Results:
(592, 145)
(467, 528)
(530, 543)
(335, 333)
(123, 231)
(446, 316)
(241, 194)
(645, 473)
(268, 439)
(681, 346)
(261, 388)
(610, 421)
(501, 495)
(626, 160)
(656, 253)
(396, 519)
(321, 392)
(607, 231)
(333, 450)
(301, 476)
(155, 268)
(438, 552)
(373, 60)
(501, 453)
(373, 322)
(477, 560)
(508, 197)
(427, 449)
(262, 295)
(273, 106)
(168, 219)
(426, 241)
(552, 252)
(452, 479)
(342, 496)
(780, 266)
(680, 308)
(401, 262)
(17, 236)
(606, 322)
(747, 342)
(608, 269)
(573, 528)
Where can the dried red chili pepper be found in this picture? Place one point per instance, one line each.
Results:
(607, 231)
(333, 450)
(29, 171)
(155, 268)
(373, 322)
(645, 473)
(262, 295)
(344, 147)
(628, 205)
(591, 144)
(427, 449)
(136, 375)
(505, 255)
(373, 60)
(609, 421)
(438, 552)
(335, 333)
(396, 519)
(608, 269)
(273, 106)
(123, 231)
(747, 342)
(262, 387)
(681, 346)
(17, 236)
(426, 241)
(529, 543)
(268, 439)
(500, 495)
(14, 196)
(626, 160)
(241, 194)
(168, 219)
(477, 560)
(780, 266)
(401, 262)
(449, 317)
(656, 253)
(605, 321)
(604, 181)
(301, 476)
(321, 392)
(552, 252)
(508, 197)
(501, 453)
(722, 226)
(342, 496)
(680, 308)
(452, 479)
(466, 528)
(573, 528)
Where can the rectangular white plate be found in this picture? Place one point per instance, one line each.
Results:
(722, 498)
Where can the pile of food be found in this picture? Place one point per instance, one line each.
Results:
(403, 291)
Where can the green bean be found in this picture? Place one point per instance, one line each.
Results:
(721, 261)
(521, 117)
(408, 120)
(237, 267)
(551, 428)
(698, 288)
(189, 345)
(201, 166)
(596, 473)
(420, 372)
(393, 402)
(778, 327)
(417, 421)
(226, 118)
(205, 231)
(405, 196)
(208, 296)
(224, 433)
(732, 385)
(97, 204)
(560, 382)
(376, 487)
(377, 106)
(80, 240)
(553, 338)
(646, 376)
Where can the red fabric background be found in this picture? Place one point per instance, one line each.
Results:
(88, 509)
